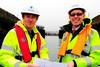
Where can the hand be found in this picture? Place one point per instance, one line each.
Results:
(32, 65)
(70, 64)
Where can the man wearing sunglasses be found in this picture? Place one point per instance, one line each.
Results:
(80, 46)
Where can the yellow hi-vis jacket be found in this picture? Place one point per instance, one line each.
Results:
(90, 55)
(10, 48)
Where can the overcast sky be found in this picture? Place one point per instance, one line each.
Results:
(53, 13)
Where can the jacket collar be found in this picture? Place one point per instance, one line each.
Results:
(68, 28)
(20, 23)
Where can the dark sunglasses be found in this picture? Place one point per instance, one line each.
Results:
(78, 14)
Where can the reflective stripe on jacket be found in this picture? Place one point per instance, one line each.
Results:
(10, 48)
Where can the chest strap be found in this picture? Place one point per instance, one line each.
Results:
(19, 57)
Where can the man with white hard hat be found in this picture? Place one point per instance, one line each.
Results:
(80, 45)
(24, 43)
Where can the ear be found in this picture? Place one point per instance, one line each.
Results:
(84, 14)
(69, 17)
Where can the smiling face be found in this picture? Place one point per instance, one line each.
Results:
(76, 17)
(29, 20)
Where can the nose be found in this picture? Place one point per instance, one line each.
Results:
(31, 19)
(75, 15)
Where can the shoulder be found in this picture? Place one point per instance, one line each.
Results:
(67, 27)
(94, 31)
(11, 32)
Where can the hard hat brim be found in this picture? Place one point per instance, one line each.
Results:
(26, 12)
(82, 9)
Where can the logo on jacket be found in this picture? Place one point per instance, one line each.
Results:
(23, 39)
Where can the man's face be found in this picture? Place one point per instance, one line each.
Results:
(76, 17)
(29, 20)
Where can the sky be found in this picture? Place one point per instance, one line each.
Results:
(53, 13)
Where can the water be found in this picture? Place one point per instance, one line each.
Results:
(52, 45)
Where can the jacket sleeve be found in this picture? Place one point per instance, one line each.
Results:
(8, 51)
(43, 50)
(93, 59)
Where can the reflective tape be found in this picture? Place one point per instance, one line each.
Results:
(74, 56)
(87, 47)
(43, 47)
(17, 64)
(88, 61)
(95, 47)
(7, 48)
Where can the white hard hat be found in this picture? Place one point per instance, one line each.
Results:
(76, 6)
(31, 10)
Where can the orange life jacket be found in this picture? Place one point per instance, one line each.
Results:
(80, 43)
(23, 43)
(62, 49)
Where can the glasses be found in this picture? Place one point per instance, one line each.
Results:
(78, 14)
